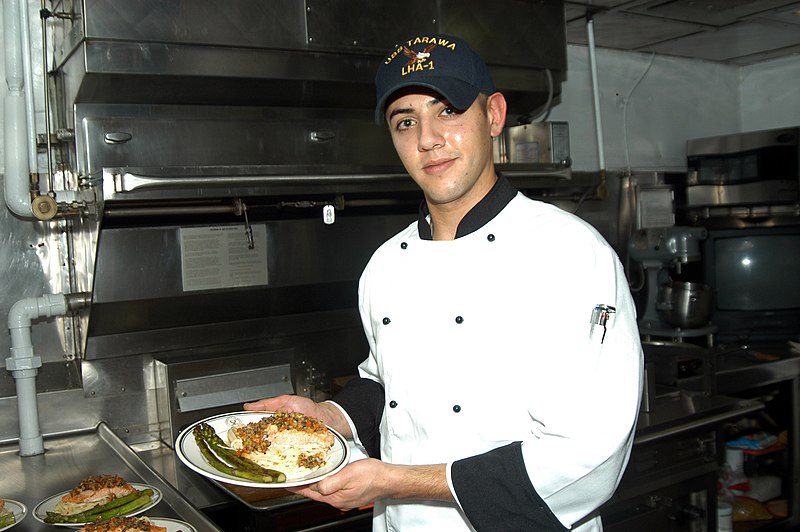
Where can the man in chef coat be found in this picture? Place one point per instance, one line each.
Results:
(503, 380)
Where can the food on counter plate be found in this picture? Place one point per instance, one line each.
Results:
(123, 524)
(6, 516)
(93, 491)
(98, 497)
(293, 442)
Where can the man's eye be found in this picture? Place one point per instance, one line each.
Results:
(449, 111)
(404, 123)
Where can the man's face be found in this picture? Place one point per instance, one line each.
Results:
(447, 152)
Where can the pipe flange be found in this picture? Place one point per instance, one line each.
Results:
(44, 207)
(22, 364)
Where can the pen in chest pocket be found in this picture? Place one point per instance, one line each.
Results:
(600, 316)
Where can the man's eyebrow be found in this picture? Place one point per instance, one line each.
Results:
(401, 110)
(398, 111)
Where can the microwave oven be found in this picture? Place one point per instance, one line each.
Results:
(744, 169)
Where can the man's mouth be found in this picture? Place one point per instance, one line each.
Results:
(438, 166)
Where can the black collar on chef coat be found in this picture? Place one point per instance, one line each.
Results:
(487, 208)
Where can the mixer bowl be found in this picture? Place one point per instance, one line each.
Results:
(686, 305)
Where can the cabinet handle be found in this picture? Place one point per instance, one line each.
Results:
(117, 137)
(322, 136)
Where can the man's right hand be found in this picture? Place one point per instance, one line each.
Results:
(325, 412)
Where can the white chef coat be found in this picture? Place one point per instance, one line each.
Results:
(486, 340)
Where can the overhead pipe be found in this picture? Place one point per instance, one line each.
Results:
(27, 67)
(44, 17)
(602, 187)
(21, 184)
(17, 186)
(24, 364)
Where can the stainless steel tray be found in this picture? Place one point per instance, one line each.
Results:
(71, 457)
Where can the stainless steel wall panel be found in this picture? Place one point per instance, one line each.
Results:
(31, 258)
(59, 412)
(124, 376)
(366, 25)
(274, 24)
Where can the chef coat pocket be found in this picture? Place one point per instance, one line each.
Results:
(502, 423)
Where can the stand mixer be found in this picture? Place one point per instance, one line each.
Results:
(658, 249)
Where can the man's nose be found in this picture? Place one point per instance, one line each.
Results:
(430, 136)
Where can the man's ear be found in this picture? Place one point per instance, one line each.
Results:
(496, 108)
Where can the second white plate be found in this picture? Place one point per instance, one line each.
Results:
(18, 509)
(47, 505)
(172, 525)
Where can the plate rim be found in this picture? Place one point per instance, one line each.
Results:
(227, 479)
(179, 522)
(17, 520)
(154, 500)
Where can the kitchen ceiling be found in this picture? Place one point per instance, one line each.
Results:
(740, 32)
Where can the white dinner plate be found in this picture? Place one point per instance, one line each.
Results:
(172, 525)
(18, 509)
(189, 453)
(47, 505)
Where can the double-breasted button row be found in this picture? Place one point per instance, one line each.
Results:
(387, 321)
(490, 237)
(456, 408)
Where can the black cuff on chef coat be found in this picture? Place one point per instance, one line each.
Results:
(363, 400)
(496, 493)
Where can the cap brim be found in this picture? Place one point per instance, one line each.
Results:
(458, 93)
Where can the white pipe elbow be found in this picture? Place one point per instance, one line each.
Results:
(19, 325)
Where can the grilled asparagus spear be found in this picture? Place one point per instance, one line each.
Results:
(7, 519)
(215, 451)
(232, 457)
(115, 507)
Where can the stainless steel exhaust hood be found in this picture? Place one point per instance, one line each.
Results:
(219, 98)
(180, 115)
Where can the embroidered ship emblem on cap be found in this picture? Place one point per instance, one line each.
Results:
(418, 57)
(445, 64)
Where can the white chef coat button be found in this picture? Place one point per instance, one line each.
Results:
(490, 237)
(459, 319)
(456, 408)
(386, 321)
(403, 245)
(392, 404)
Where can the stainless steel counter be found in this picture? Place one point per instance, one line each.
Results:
(743, 369)
(69, 458)
(681, 410)
(735, 371)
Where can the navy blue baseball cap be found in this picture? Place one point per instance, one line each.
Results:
(440, 62)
